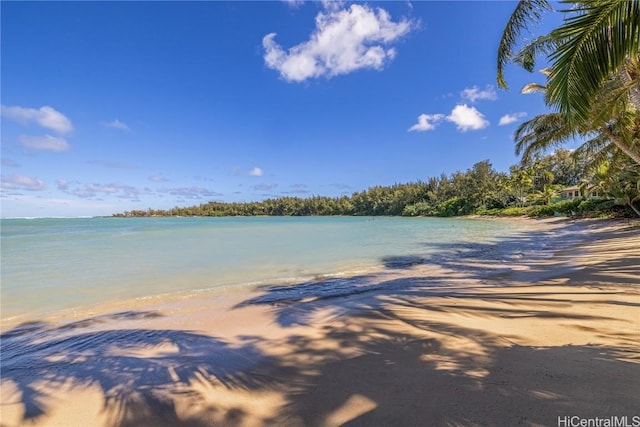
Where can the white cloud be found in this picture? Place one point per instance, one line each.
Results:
(98, 191)
(91, 191)
(426, 122)
(45, 116)
(467, 118)
(256, 172)
(343, 41)
(117, 124)
(62, 184)
(21, 182)
(158, 178)
(264, 187)
(299, 188)
(332, 4)
(46, 143)
(474, 94)
(37, 205)
(340, 186)
(294, 3)
(511, 118)
(194, 192)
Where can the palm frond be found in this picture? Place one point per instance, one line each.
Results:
(611, 100)
(526, 12)
(594, 42)
(526, 57)
(541, 133)
(597, 150)
(533, 88)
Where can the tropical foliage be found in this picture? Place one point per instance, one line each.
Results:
(526, 189)
(598, 39)
(592, 87)
(593, 79)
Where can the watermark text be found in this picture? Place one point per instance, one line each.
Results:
(611, 421)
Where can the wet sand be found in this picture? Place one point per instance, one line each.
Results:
(458, 341)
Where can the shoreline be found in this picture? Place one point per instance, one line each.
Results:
(458, 341)
(58, 314)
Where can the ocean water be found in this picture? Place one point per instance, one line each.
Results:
(49, 265)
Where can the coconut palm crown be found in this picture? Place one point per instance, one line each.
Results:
(597, 39)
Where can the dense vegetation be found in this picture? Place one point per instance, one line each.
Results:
(530, 189)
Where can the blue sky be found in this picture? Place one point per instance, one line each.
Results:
(113, 106)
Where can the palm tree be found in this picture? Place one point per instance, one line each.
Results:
(541, 133)
(546, 131)
(612, 119)
(620, 180)
(599, 38)
(548, 192)
(526, 13)
(521, 183)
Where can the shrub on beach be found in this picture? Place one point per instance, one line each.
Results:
(452, 207)
(575, 207)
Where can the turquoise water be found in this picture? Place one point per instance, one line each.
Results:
(57, 264)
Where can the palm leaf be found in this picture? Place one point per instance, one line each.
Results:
(525, 13)
(526, 57)
(541, 133)
(594, 42)
(596, 150)
(533, 88)
(611, 100)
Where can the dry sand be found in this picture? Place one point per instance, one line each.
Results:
(461, 343)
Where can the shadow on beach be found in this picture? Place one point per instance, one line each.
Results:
(399, 366)
(485, 265)
(400, 379)
(366, 376)
(372, 350)
(140, 372)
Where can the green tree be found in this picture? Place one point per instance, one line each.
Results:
(521, 183)
(619, 180)
(593, 83)
(612, 119)
(548, 192)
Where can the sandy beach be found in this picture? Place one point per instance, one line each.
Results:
(425, 342)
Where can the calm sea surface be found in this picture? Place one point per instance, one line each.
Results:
(56, 264)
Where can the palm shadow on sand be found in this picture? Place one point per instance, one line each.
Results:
(383, 376)
(296, 304)
(401, 379)
(368, 371)
(140, 372)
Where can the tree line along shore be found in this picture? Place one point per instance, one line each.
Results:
(537, 188)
